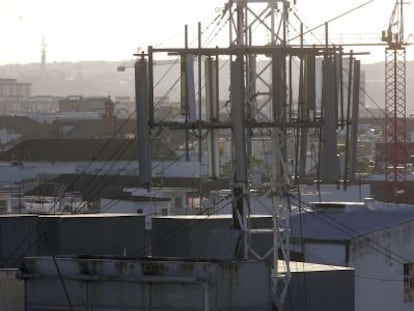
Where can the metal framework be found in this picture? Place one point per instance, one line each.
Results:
(395, 114)
(274, 111)
(395, 102)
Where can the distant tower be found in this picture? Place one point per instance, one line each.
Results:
(43, 54)
(109, 117)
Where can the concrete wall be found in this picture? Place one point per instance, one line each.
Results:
(379, 268)
(11, 291)
(175, 236)
(93, 234)
(24, 235)
(18, 237)
(330, 289)
(115, 284)
(378, 259)
(333, 254)
(187, 236)
(148, 209)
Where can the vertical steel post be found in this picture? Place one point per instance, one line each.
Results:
(212, 107)
(329, 160)
(278, 105)
(355, 119)
(184, 101)
(143, 118)
(348, 120)
(239, 141)
(200, 141)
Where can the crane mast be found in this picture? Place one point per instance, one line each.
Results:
(395, 102)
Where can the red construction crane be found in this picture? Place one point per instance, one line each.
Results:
(395, 102)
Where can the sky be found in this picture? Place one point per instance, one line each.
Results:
(76, 30)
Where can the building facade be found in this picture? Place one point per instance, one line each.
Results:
(375, 239)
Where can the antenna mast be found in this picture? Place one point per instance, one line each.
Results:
(272, 114)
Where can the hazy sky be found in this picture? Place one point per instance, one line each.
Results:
(112, 30)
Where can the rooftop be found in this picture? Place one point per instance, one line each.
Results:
(349, 223)
(297, 267)
(67, 150)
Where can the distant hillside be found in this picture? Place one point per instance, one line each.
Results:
(95, 78)
(100, 78)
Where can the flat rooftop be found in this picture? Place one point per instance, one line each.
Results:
(297, 267)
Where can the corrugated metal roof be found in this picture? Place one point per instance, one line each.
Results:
(348, 224)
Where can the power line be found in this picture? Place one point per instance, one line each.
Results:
(99, 152)
(35, 227)
(72, 185)
(324, 261)
(360, 236)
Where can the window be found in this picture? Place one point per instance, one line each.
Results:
(409, 282)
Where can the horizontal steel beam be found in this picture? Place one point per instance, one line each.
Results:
(253, 50)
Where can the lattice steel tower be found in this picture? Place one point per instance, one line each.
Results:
(270, 110)
(395, 101)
